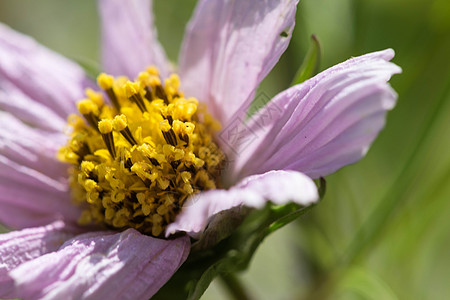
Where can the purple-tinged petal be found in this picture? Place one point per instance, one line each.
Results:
(324, 123)
(31, 147)
(41, 74)
(229, 47)
(129, 39)
(17, 215)
(24, 204)
(33, 183)
(101, 265)
(279, 187)
(38, 115)
(17, 247)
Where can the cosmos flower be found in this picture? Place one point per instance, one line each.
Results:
(153, 168)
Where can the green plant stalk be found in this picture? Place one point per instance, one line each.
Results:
(235, 288)
(373, 226)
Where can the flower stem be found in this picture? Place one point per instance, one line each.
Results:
(374, 225)
(234, 286)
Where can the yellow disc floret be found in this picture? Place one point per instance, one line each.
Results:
(105, 126)
(120, 123)
(105, 81)
(136, 162)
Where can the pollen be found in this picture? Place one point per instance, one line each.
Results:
(136, 161)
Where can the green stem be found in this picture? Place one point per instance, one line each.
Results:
(385, 208)
(373, 226)
(234, 286)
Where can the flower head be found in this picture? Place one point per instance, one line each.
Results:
(148, 155)
(137, 162)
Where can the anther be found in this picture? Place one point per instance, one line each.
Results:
(152, 70)
(106, 82)
(155, 82)
(160, 93)
(148, 94)
(128, 164)
(144, 80)
(89, 111)
(96, 97)
(170, 137)
(184, 137)
(132, 91)
(168, 133)
(127, 174)
(120, 124)
(154, 161)
(106, 127)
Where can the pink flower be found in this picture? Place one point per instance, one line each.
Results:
(307, 131)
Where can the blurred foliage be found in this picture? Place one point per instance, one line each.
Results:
(382, 230)
(311, 62)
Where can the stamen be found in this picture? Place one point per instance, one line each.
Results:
(154, 161)
(105, 127)
(106, 82)
(89, 111)
(144, 80)
(145, 157)
(159, 91)
(148, 94)
(132, 89)
(96, 97)
(120, 124)
(184, 137)
(152, 70)
(155, 82)
(168, 133)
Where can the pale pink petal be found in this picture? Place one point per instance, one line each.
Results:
(278, 187)
(41, 74)
(21, 246)
(323, 124)
(31, 147)
(40, 88)
(102, 265)
(33, 183)
(17, 215)
(24, 204)
(38, 115)
(229, 47)
(129, 39)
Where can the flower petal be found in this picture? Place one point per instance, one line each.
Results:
(279, 187)
(129, 39)
(38, 115)
(25, 205)
(101, 265)
(33, 183)
(41, 74)
(31, 147)
(18, 247)
(229, 47)
(323, 124)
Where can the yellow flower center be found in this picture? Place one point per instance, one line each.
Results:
(136, 163)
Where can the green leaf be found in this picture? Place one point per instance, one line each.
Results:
(366, 284)
(230, 255)
(311, 63)
(243, 243)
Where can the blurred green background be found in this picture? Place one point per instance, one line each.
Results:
(382, 231)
